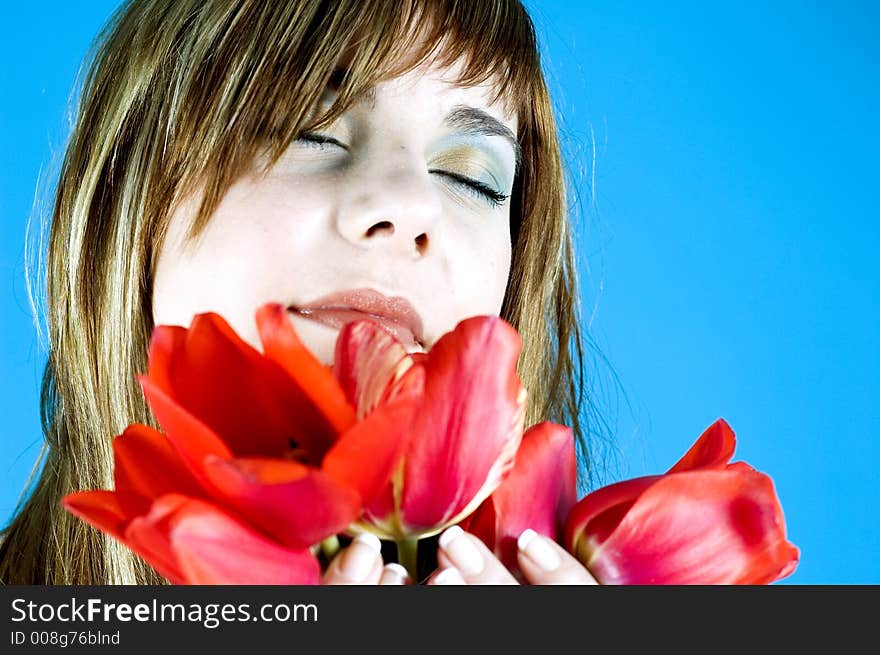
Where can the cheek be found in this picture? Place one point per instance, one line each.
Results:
(254, 250)
(499, 274)
(481, 270)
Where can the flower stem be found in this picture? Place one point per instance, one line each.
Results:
(407, 556)
(330, 546)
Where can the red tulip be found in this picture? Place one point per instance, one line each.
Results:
(705, 521)
(266, 447)
(274, 435)
(464, 435)
(160, 511)
(538, 493)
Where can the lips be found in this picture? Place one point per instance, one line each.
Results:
(395, 314)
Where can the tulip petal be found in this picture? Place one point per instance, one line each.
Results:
(365, 457)
(538, 493)
(203, 538)
(599, 512)
(713, 449)
(191, 438)
(296, 504)
(485, 524)
(167, 342)
(329, 412)
(242, 396)
(189, 541)
(148, 536)
(368, 363)
(196, 540)
(702, 527)
(469, 428)
(100, 509)
(146, 466)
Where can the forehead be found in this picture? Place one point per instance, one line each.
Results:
(442, 84)
(432, 77)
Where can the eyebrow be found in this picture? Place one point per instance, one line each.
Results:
(477, 122)
(464, 118)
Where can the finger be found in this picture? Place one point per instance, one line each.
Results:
(544, 562)
(446, 576)
(360, 563)
(394, 574)
(471, 558)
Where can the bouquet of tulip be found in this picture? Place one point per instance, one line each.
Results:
(266, 459)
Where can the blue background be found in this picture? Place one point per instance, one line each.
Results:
(726, 160)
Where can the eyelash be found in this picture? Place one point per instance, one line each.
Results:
(474, 187)
(471, 186)
(319, 140)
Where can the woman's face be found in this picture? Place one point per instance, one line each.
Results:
(399, 211)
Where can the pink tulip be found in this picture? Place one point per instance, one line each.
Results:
(463, 437)
(705, 521)
(538, 493)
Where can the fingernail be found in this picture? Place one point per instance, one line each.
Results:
(394, 573)
(449, 576)
(461, 550)
(538, 550)
(361, 555)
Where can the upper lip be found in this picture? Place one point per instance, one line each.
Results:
(373, 303)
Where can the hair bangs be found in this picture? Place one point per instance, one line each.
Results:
(253, 76)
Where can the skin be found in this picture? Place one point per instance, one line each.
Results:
(465, 560)
(370, 201)
(328, 218)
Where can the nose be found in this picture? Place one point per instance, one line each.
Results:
(389, 207)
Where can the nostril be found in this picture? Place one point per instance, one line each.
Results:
(381, 226)
(421, 242)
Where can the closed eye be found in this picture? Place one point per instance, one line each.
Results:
(469, 185)
(319, 141)
(474, 187)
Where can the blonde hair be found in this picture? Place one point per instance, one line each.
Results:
(180, 92)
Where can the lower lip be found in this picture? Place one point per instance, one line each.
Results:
(336, 318)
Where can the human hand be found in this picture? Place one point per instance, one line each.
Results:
(464, 559)
(361, 564)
